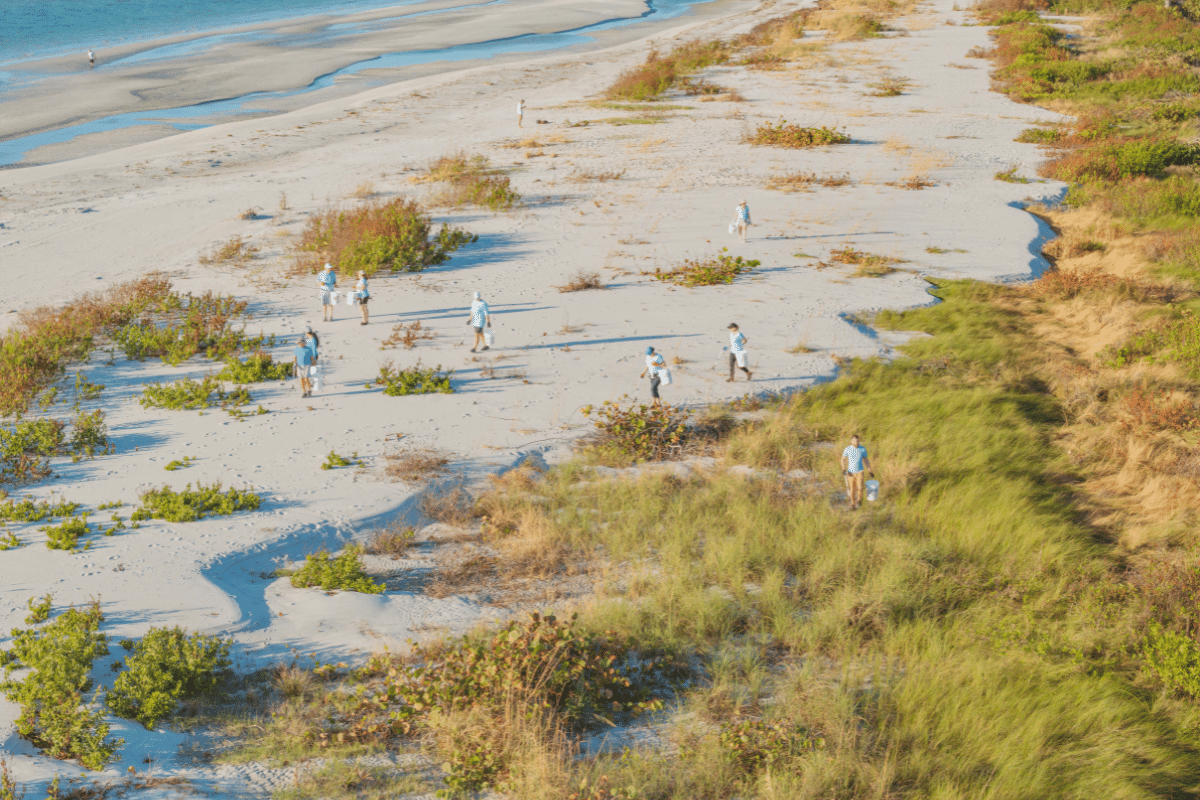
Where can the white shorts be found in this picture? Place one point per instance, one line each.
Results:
(327, 298)
(741, 359)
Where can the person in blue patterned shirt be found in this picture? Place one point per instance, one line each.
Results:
(480, 316)
(737, 352)
(301, 361)
(855, 466)
(327, 280)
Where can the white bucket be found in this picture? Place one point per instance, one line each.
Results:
(489, 338)
(665, 377)
(872, 488)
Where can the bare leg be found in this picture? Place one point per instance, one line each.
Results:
(366, 318)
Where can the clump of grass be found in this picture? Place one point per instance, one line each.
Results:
(1010, 175)
(189, 505)
(407, 336)
(164, 667)
(785, 134)
(582, 281)
(235, 252)
(715, 270)
(27, 447)
(636, 433)
(913, 183)
(798, 181)
(416, 379)
(341, 573)
(888, 87)
(179, 464)
(184, 325)
(867, 265)
(364, 190)
(256, 368)
(333, 461)
(453, 505)
(470, 181)
(393, 236)
(393, 541)
(583, 176)
(662, 71)
(415, 465)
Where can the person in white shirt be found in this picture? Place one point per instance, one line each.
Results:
(743, 219)
(520, 113)
(479, 317)
(364, 294)
(91, 57)
(656, 365)
(737, 352)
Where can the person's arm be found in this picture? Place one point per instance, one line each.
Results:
(845, 462)
(867, 466)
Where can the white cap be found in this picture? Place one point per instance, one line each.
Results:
(477, 295)
(328, 266)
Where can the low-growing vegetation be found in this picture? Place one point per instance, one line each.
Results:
(189, 505)
(582, 281)
(715, 270)
(415, 464)
(866, 265)
(390, 236)
(416, 379)
(256, 368)
(638, 432)
(27, 447)
(234, 252)
(469, 180)
(187, 394)
(802, 181)
(407, 336)
(334, 461)
(790, 135)
(164, 667)
(336, 573)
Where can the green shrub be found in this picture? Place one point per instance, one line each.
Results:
(185, 325)
(396, 236)
(190, 505)
(1171, 201)
(177, 464)
(89, 436)
(1174, 658)
(53, 712)
(414, 380)
(187, 394)
(25, 449)
(1173, 341)
(784, 134)
(65, 536)
(1117, 159)
(709, 271)
(257, 367)
(85, 389)
(333, 461)
(30, 510)
(344, 573)
(755, 745)
(661, 72)
(639, 432)
(469, 181)
(9, 541)
(165, 666)
(39, 610)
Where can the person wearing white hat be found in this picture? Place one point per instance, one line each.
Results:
(479, 318)
(327, 280)
(743, 220)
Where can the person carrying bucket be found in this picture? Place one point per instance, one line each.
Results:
(855, 466)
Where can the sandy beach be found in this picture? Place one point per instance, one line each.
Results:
(87, 223)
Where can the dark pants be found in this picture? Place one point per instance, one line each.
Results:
(655, 380)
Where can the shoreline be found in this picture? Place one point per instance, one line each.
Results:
(255, 79)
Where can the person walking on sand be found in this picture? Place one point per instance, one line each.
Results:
(737, 352)
(480, 316)
(313, 343)
(364, 294)
(656, 365)
(91, 58)
(301, 363)
(520, 113)
(743, 220)
(855, 465)
(327, 280)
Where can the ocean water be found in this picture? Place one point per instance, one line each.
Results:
(31, 29)
(201, 115)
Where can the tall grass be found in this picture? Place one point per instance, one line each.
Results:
(468, 180)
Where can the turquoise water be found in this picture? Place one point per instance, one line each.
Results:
(39, 28)
(184, 118)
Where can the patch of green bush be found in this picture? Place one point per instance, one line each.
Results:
(257, 367)
(54, 712)
(393, 236)
(1174, 658)
(66, 535)
(1118, 159)
(163, 667)
(715, 270)
(184, 325)
(414, 380)
(333, 461)
(790, 135)
(190, 504)
(188, 394)
(30, 510)
(660, 72)
(1175, 340)
(27, 447)
(341, 573)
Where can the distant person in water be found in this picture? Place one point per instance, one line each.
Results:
(327, 279)
(737, 352)
(364, 294)
(520, 113)
(91, 57)
(480, 316)
(656, 365)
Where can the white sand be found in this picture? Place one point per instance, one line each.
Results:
(89, 223)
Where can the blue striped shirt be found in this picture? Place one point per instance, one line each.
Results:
(303, 356)
(329, 278)
(311, 346)
(362, 289)
(655, 364)
(854, 457)
(737, 342)
(743, 213)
